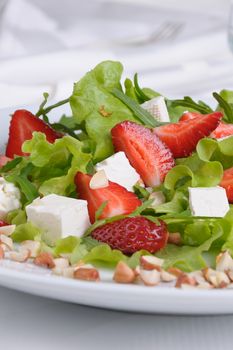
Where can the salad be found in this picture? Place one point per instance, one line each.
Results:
(131, 181)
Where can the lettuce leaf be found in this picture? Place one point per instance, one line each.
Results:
(52, 166)
(189, 258)
(91, 96)
(25, 232)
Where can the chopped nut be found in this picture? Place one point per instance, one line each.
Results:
(230, 274)
(68, 272)
(2, 253)
(175, 271)
(149, 262)
(218, 279)
(60, 265)
(99, 180)
(123, 273)
(44, 260)
(32, 246)
(137, 271)
(185, 279)
(198, 276)
(224, 262)
(167, 277)
(174, 238)
(150, 277)
(7, 242)
(20, 256)
(7, 230)
(87, 274)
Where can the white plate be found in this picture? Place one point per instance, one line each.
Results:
(28, 278)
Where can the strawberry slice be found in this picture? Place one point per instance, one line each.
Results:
(145, 151)
(223, 130)
(130, 235)
(182, 137)
(4, 160)
(227, 183)
(3, 223)
(190, 115)
(120, 201)
(23, 124)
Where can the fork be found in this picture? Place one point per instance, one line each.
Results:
(166, 31)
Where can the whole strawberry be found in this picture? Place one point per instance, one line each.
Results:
(130, 235)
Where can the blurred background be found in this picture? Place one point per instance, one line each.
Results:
(178, 47)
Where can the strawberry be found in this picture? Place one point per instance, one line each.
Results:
(223, 130)
(189, 115)
(182, 137)
(227, 183)
(3, 223)
(130, 235)
(145, 151)
(23, 124)
(119, 200)
(4, 160)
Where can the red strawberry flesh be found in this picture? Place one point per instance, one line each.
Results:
(227, 183)
(145, 151)
(23, 124)
(119, 200)
(182, 137)
(130, 235)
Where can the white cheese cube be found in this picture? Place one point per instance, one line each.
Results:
(9, 198)
(157, 108)
(118, 169)
(208, 201)
(59, 216)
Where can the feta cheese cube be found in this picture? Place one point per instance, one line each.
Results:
(59, 216)
(157, 108)
(118, 169)
(208, 201)
(9, 198)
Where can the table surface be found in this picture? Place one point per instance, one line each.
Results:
(29, 322)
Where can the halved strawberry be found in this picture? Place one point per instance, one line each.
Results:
(227, 183)
(23, 124)
(189, 115)
(130, 235)
(146, 152)
(182, 137)
(4, 160)
(119, 200)
(223, 130)
(3, 223)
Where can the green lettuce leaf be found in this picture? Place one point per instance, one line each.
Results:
(91, 96)
(189, 258)
(66, 245)
(25, 232)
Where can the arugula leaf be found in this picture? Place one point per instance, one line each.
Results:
(188, 102)
(142, 95)
(11, 165)
(225, 106)
(140, 113)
